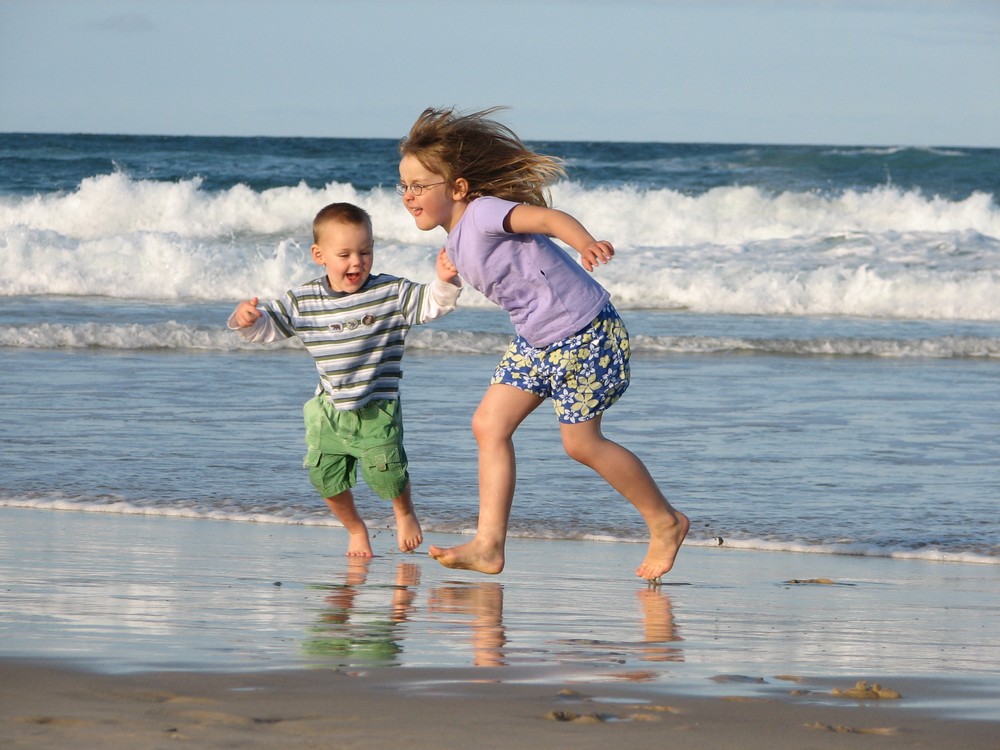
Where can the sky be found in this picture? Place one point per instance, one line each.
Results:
(848, 72)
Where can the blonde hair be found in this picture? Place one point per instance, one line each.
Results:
(486, 153)
(344, 213)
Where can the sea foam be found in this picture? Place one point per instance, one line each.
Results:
(883, 252)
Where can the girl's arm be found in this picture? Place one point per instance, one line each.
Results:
(525, 219)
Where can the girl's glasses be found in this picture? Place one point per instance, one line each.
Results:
(416, 188)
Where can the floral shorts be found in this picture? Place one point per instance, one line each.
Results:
(583, 374)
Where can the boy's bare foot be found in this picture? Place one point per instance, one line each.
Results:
(358, 544)
(408, 533)
(342, 506)
(664, 543)
(474, 555)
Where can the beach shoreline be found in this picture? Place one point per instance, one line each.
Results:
(127, 631)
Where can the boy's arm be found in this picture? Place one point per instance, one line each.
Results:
(525, 219)
(252, 324)
(446, 270)
(245, 314)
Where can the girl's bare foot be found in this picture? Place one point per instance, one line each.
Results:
(664, 543)
(475, 555)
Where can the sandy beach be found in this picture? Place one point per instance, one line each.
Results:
(46, 707)
(129, 631)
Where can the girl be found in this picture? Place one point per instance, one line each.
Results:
(475, 178)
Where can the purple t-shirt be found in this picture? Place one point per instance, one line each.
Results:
(547, 294)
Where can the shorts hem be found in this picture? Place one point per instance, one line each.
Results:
(325, 493)
(378, 491)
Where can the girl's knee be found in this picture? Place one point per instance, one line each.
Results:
(581, 451)
(484, 428)
(584, 441)
(488, 426)
(480, 423)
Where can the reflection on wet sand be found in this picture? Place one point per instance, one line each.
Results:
(350, 634)
(483, 602)
(360, 622)
(659, 625)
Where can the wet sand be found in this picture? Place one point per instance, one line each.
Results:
(132, 631)
(54, 708)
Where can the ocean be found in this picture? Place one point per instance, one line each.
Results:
(816, 338)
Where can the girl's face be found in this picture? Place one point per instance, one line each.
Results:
(439, 204)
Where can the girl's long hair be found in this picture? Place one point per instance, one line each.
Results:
(488, 154)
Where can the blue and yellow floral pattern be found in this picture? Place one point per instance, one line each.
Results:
(583, 374)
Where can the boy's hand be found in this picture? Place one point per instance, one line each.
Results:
(246, 313)
(596, 253)
(446, 270)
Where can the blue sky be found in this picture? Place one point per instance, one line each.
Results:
(853, 72)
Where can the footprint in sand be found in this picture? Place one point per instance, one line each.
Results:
(840, 729)
(581, 718)
(862, 690)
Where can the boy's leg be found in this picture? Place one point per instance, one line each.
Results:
(408, 533)
(332, 472)
(384, 466)
(342, 505)
(623, 470)
(499, 414)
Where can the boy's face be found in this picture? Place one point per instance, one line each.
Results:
(346, 251)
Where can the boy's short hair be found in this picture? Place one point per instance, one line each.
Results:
(345, 213)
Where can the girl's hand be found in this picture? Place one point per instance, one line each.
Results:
(596, 253)
(246, 313)
(446, 270)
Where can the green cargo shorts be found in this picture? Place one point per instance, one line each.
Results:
(337, 442)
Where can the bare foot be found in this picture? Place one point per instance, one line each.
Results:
(408, 533)
(358, 544)
(475, 555)
(664, 543)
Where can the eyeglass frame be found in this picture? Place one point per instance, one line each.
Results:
(416, 188)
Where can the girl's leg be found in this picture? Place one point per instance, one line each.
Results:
(624, 471)
(499, 414)
(408, 533)
(344, 509)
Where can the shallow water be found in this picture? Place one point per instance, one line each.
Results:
(873, 456)
(816, 338)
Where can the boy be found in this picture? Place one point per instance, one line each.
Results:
(354, 325)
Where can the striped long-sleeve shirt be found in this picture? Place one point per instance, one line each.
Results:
(355, 339)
